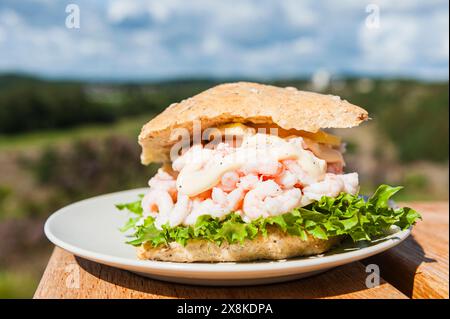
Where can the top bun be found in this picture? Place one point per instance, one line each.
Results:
(245, 102)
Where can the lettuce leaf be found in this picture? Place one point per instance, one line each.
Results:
(133, 207)
(345, 215)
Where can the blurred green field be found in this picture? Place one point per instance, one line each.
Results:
(17, 285)
(129, 126)
(64, 141)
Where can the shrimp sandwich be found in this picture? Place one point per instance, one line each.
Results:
(250, 173)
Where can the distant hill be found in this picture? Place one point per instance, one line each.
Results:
(412, 114)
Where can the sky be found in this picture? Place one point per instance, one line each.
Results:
(163, 39)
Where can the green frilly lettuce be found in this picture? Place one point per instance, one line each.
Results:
(349, 215)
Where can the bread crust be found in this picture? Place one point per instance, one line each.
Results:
(247, 102)
(276, 245)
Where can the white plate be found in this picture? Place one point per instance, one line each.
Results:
(89, 229)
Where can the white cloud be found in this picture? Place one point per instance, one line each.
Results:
(9, 18)
(439, 47)
(392, 44)
(304, 46)
(159, 10)
(153, 38)
(2, 34)
(406, 43)
(120, 10)
(212, 45)
(299, 13)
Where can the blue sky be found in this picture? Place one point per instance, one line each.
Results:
(121, 39)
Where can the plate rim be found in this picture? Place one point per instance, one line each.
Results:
(229, 267)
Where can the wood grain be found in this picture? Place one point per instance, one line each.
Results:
(419, 267)
(71, 277)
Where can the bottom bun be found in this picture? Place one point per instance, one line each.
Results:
(277, 245)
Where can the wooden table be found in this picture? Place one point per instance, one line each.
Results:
(417, 268)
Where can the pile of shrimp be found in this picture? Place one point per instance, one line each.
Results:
(263, 188)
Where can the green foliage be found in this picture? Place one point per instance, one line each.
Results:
(5, 192)
(413, 115)
(86, 168)
(28, 104)
(418, 123)
(346, 214)
(42, 106)
(416, 181)
(17, 285)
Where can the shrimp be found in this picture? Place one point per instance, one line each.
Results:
(162, 180)
(231, 201)
(294, 167)
(222, 153)
(180, 210)
(331, 186)
(228, 181)
(351, 183)
(248, 182)
(165, 182)
(219, 196)
(254, 205)
(235, 199)
(287, 179)
(195, 157)
(157, 203)
(206, 207)
(195, 212)
(285, 202)
(263, 166)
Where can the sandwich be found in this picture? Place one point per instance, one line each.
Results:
(250, 172)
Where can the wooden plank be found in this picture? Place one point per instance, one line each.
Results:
(419, 266)
(71, 277)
